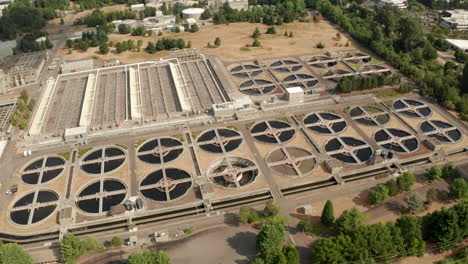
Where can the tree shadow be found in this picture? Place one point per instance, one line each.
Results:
(395, 207)
(231, 219)
(305, 253)
(243, 243)
(362, 199)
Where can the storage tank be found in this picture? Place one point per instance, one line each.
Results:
(192, 13)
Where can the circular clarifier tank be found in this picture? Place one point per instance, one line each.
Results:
(396, 140)
(219, 140)
(291, 161)
(325, 123)
(98, 197)
(348, 150)
(412, 108)
(302, 80)
(272, 131)
(166, 184)
(286, 66)
(443, 131)
(34, 207)
(369, 115)
(257, 87)
(245, 70)
(158, 150)
(357, 57)
(233, 172)
(43, 170)
(335, 74)
(103, 160)
(322, 61)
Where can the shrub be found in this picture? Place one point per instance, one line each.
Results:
(459, 188)
(271, 30)
(406, 181)
(320, 45)
(434, 173)
(432, 195)
(117, 241)
(308, 228)
(256, 43)
(447, 171)
(378, 195)
(271, 209)
(415, 202)
(256, 33)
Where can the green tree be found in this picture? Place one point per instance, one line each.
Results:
(13, 253)
(292, 254)
(62, 22)
(149, 257)
(406, 181)
(432, 195)
(411, 227)
(415, 202)
(434, 173)
(124, 29)
(378, 195)
(256, 34)
(275, 256)
(270, 237)
(90, 243)
(271, 209)
(291, 34)
(328, 214)
(71, 249)
(244, 213)
(271, 30)
(104, 48)
(117, 241)
(320, 45)
(329, 250)
(350, 220)
(206, 14)
(464, 79)
(443, 227)
(256, 43)
(194, 28)
(393, 188)
(459, 188)
(139, 31)
(447, 171)
(217, 42)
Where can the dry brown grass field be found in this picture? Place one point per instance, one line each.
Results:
(234, 38)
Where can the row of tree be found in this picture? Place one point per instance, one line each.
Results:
(391, 188)
(352, 83)
(29, 44)
(165, 44)
(283, 12)
(382, 243)
(400, 40)
(99, 17)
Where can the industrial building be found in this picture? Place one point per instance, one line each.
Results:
(455, 19)
(6, 48)
(126, 96)
(459, 44)
(24, 70)
(238, 4)
(77, 65)
(402, 4)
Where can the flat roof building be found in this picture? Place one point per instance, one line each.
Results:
(455, 19)
(137, 7)
(77, 65)
(402, 4)
(459, 44)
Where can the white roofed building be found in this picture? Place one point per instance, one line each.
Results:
(402, 4)
(455, 19)
(459, 44)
